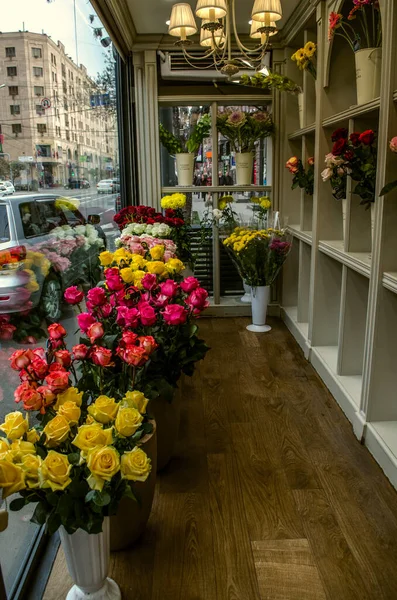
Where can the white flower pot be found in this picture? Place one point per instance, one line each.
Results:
(368, 68)
(260, 296)
(244, 166)
(184, 168)
(300, 109)
(344, 213)
(87, 557)
(372, 209)
(247, 296)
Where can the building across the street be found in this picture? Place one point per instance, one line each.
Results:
(54, 119)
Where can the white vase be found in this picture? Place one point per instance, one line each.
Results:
(372, 209)
(244, 165)
(184, 168)
(300, 109)
(344, 213)
(260, 296)
(368, 68)
(247, 295)
(87, 556)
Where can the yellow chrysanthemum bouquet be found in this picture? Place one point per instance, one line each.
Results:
(259, 253)
(79, 462)
(305, 58)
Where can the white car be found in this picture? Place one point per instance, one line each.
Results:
(10, 188)
(105, 186)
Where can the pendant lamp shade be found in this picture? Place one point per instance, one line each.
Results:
(255, 25)
(206, 38)
(211, 9)
(182, 21)
(267, 11)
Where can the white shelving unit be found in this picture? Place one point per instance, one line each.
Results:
(339, 291)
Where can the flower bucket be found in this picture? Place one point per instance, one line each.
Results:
(167, 416)
(87, 556)
(260, 296)
(132, 517)
(184, 168)
(247, 295)
(344, 213)
(300, 110)
(368, 71)
(372, 209)
(244, 166)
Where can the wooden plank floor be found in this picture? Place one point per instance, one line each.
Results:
(270, 495)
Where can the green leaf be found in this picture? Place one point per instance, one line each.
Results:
(53, 522)
(74, 458)
(40, 514)
(388, 188)
(90, 496)
(52, 498)
(17, 504)
(129, 493)
(102, 498)
(65, 505)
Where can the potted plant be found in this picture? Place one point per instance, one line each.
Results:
(305, 59)
(362, 29)
(78, 462)
(243, 129)
(259, 255)
(185, 149)
(302, 178)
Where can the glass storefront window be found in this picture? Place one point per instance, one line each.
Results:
(59, 190)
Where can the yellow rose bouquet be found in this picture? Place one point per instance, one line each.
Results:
(79, 462)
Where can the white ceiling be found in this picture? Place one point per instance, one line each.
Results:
(149, 16)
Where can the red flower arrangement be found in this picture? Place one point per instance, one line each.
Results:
(148, 215)
(353, 156)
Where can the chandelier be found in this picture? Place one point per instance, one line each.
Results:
(218, 19)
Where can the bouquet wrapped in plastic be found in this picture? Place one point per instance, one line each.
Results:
(258, 253)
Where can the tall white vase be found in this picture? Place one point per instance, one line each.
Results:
(368, 68)
(244, 165)
(247, 294)
(344, 215)
(184, 168)
(260, 296)
(300, 109)
(87, 556)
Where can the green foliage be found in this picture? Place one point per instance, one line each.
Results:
(16, 168)
(242, 135)
(176, 145)
(272, 81)
(169, 141)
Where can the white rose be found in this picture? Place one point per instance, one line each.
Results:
(217, 214)
(118, 242)
(80, 229)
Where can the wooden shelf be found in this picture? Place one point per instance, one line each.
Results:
(300, 331)
(345, 388)
(389, 281)
(381, 440)
(301, 132)
(354, 111)
(358, 261)
(305, 236)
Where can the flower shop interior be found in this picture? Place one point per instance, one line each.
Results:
(210, 412)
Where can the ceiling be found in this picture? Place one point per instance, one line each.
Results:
(150, 16)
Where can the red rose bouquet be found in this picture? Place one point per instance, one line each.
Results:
(353, 156)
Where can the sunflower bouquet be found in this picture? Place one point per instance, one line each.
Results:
(305, 58)
(258, 254)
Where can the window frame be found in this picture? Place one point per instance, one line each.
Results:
(13, 107)
(36, 87)
(13, 87)
(12, 68)
(43, 128)
(39, 54)
(15, 125)
(10, 54)
(38, 71)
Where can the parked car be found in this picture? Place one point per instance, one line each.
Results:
(75, 184)
(3, 191)
(9, 186)
(32, 269)
(105, 186)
